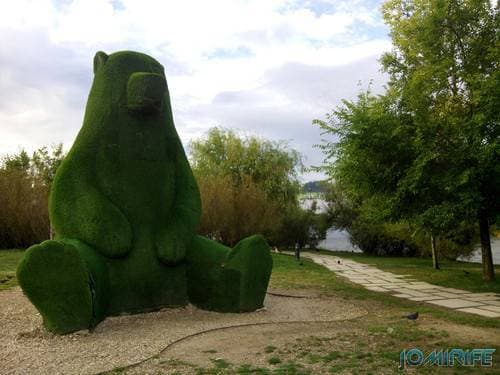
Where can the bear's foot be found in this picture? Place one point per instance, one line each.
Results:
(228, 280)
(55, 278)
(251, 257)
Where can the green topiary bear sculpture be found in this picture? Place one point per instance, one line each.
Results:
(125, 207)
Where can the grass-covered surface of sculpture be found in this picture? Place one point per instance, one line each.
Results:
(125, 207)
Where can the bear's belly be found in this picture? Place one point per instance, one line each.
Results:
(140, 282)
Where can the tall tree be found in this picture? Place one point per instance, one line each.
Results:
(428, 149)
(444, 65)
(371, 159)
(271, 165)
(246, 184)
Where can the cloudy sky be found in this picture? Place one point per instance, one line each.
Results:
(262, 67)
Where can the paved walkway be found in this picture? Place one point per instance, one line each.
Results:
(372, 278)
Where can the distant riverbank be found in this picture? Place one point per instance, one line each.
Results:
(339, 241)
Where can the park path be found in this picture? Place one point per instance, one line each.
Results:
(372, 278)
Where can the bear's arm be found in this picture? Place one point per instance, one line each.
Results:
(79, 210)
(185, 215)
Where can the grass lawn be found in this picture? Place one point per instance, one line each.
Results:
(452, 274)
(289, 275)
(8, 263)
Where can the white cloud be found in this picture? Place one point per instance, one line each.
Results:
(275, 59)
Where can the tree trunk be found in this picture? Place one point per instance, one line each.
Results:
(435, 262)
(487, 258)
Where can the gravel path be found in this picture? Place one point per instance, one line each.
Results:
(26, 348)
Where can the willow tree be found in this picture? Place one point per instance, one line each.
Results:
(247, 184)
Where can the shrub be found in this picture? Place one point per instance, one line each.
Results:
(231, 212)
(24, 189)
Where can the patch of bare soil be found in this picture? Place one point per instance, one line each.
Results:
(365, 344)
(250, 345)
(26, 348)
(470, 335)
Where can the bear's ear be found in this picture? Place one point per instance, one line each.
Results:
(100, 59)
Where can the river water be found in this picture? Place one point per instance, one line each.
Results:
(339, 240)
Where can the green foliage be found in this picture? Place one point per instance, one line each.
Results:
(303, 226)
(248, 185)
(427, 150)
(314, 187)
(378, 240)
(125, 207)
(271, 165)
(24, 186)
(444, 67)
(232, 211)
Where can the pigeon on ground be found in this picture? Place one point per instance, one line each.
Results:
(412, 316)
(338, 261)
(466, 272)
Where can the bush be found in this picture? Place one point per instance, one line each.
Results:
(305, 227)
(24, 190)
(380, 240)
(24, 218)
(231, 211)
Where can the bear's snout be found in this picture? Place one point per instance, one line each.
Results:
(145, 92)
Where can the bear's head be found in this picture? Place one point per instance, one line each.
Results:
(128, 112)
(141, 77)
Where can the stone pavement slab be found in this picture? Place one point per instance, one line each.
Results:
(402, 295)
(424, 299)
(473, 297)
(458, 291)
(426, 287)
(455, 303)
(482, 312)
(410, 292)
(376, 289)
(403, 286)
(395, 286)
(446, 295)
(491, 308)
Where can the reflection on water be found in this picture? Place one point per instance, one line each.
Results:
(339, 240)
(476, 255)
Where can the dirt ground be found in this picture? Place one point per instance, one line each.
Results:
(298, 332)
(26, 348)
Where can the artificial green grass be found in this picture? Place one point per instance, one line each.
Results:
(125, 206)
(224, 279)
(452, 274)
(56, 280)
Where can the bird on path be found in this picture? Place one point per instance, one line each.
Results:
(412, 316)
